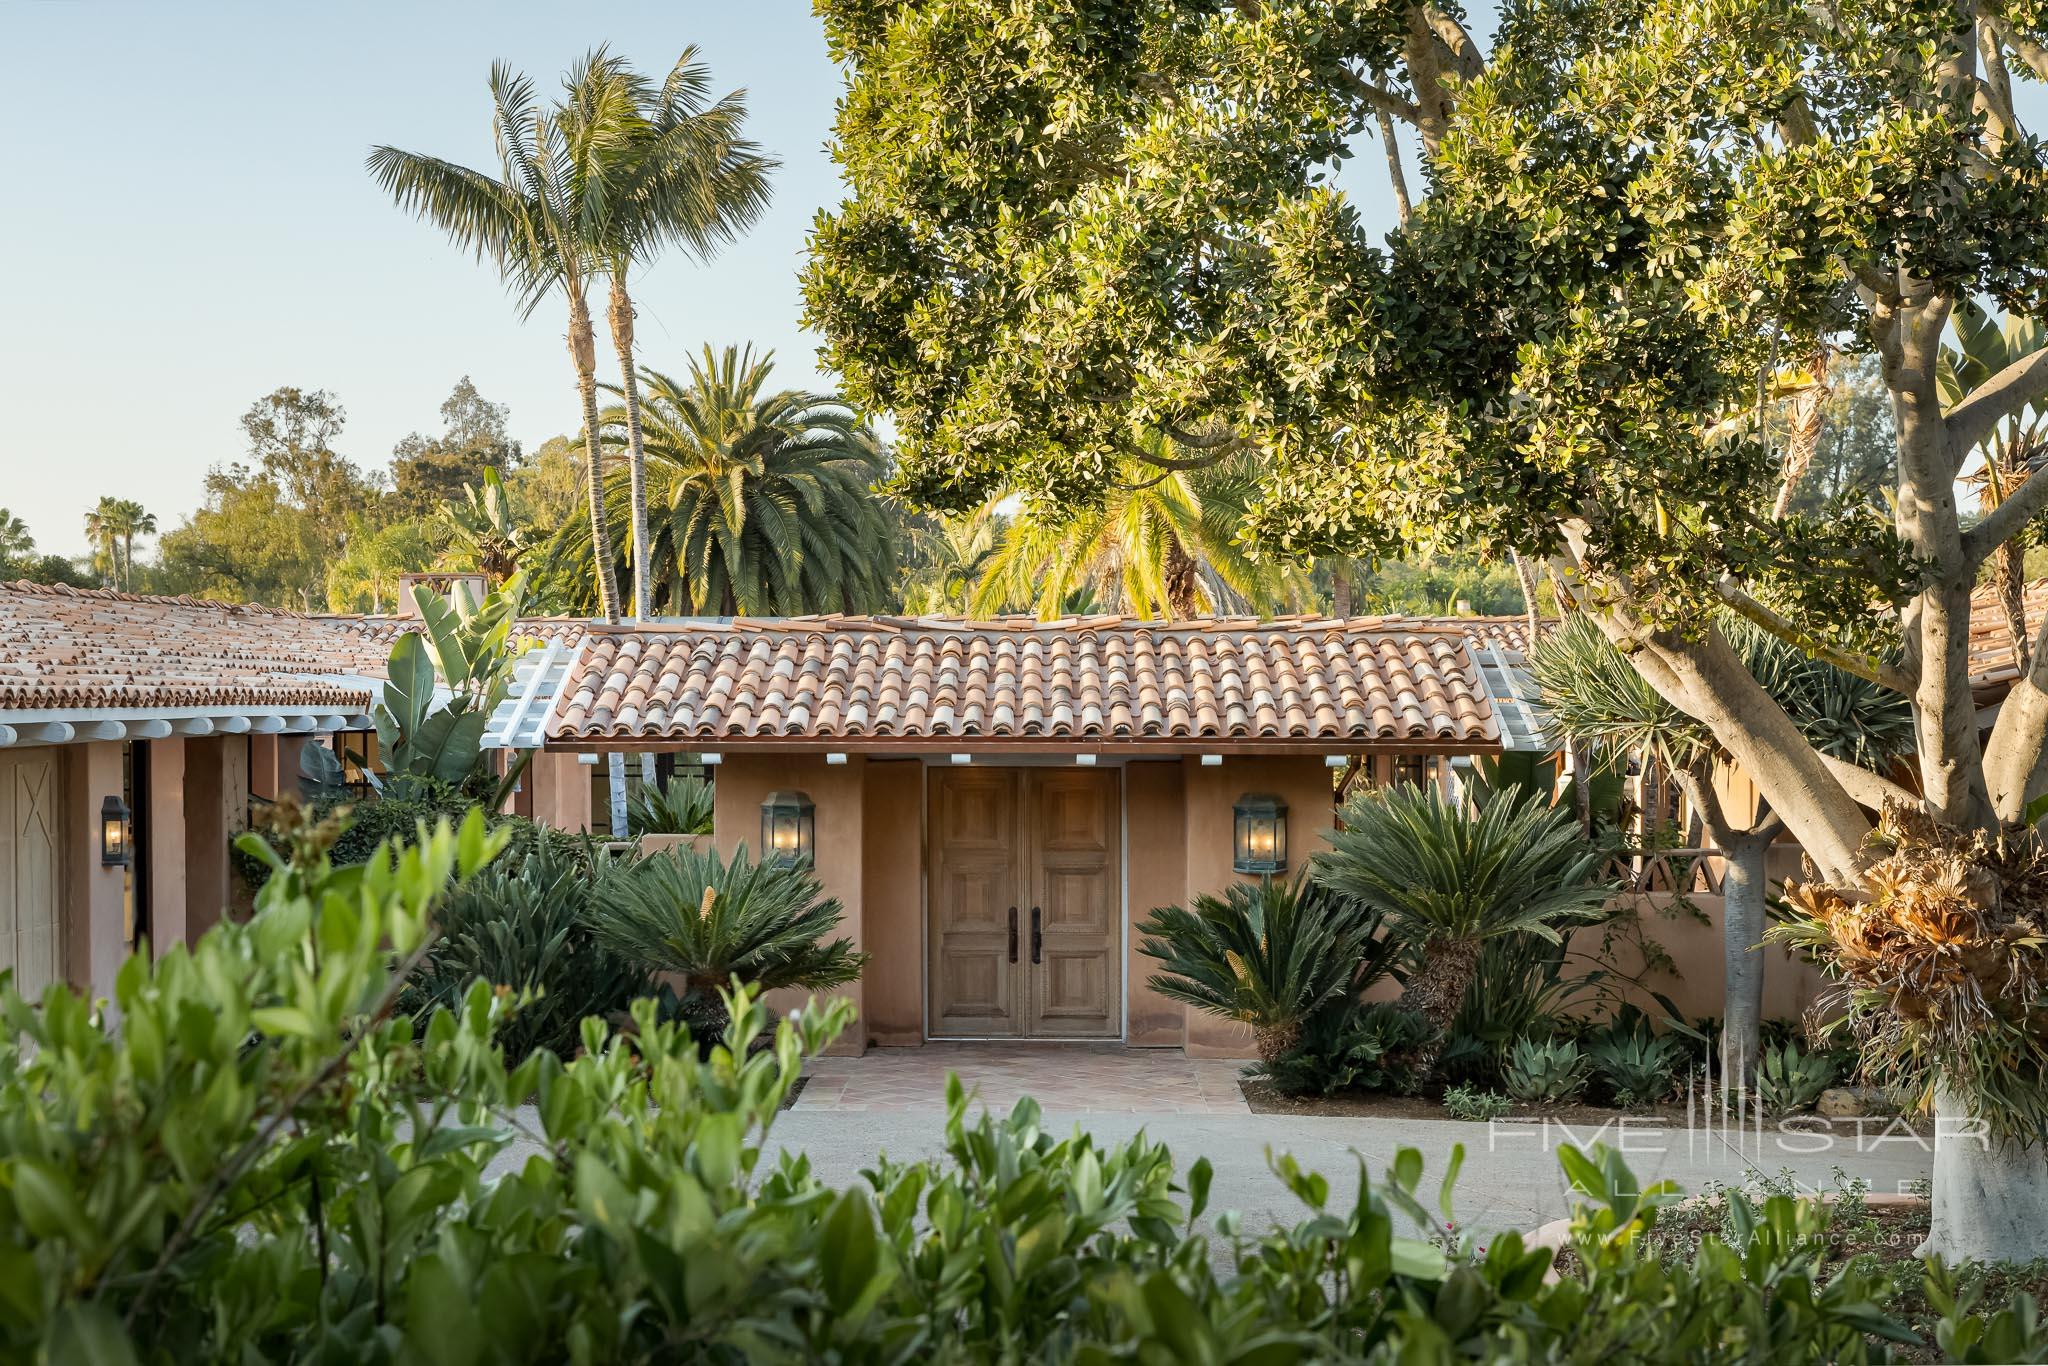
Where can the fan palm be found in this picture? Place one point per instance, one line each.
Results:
(101, 531)
(1158, 545)
(683, 176)
(762, 501)
(708, 920)
(1448, 879)
(537, 221)
(1269, 955)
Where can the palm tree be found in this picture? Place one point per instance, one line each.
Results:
(535, 220)
(1159, 545)
(761, 501)
(15, 541)
(134, 520)
(1448, 880)
(944, 557)
(103, 530)
(682, 176)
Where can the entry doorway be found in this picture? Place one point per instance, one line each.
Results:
(1024, 903)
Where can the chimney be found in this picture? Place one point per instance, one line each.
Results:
(448, 585)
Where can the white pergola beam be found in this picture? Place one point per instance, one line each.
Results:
(149, 730)
(192, 725)
(266, 725)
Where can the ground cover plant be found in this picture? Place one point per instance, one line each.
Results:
(267, 1161)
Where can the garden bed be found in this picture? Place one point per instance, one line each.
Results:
(1264, 1099)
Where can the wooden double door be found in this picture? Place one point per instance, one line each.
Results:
(1024, 898)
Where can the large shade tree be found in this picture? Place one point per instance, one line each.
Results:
(1074, 228)
(1593, 697)
(761, 500)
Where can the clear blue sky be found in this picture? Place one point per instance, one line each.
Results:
(188, 226)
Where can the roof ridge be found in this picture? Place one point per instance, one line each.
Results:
(66, 590)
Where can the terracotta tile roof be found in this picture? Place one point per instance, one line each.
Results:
(64, 648)
(1094, 680)
(1506, 633)
(1993, 665)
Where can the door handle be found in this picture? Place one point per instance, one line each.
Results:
(1037, 938)
(1013, 934)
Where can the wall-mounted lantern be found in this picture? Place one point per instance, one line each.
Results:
(789, 828)
(1260, 843)
(113, 833)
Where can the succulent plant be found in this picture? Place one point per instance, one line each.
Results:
(1546, 1070)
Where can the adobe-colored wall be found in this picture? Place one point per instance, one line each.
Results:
(216, 810)
(560, 787)
(1305, 785)
(93, 895)
(744, 781)
(166, 816)
(892, 902)
(1155, 820)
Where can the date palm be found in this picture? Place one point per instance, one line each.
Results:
(535, 220)
(15, 541)
(1155, 546)
(100, 532)
(761, 501)
(683, 177)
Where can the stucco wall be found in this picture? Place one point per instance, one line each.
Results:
(892, 901)
(1301, 782)
(1156, 826)
(744, 781)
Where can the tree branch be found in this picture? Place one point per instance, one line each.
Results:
(2002, 396)
(1862, 666)
(2028, 51)
(2006, 520)
(1465, 58)
(1384, 102)
(1869, 789)
(1394, 171)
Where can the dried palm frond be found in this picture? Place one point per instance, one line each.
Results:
(1941, 954)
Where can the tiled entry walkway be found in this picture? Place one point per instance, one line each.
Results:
(1064, 1078)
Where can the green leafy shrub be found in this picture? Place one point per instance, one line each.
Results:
(709, 921)
(266, 1163)
(1465, 1102)
(1546, 1070)
(1639, 1068)
(1271, 955)
(1351, 1047)
(684, 807)
(1789, 1081)
(523, 924)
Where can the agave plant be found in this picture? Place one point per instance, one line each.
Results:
(707, 920)
(1447, 880)
(1546, 1070)
(1270, 955)
(1639, 1067)
(1789, 1081)
(683, 807)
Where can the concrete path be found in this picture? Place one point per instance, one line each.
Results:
(1071, 1078)
(1510, 1180)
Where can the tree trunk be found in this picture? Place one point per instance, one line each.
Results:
(1747, 857)
(1183, 583)
(2012, 598)
(1340, 589)
(1525, 575)
(583, 350)
(1990, 1198)
(616, 771)
(1435, 993)
(620, 313)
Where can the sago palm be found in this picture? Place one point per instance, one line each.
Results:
(682, 176)
(708, 920)
(761, 501)
(1448, 879)
(1269, 955)
(537, 221)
